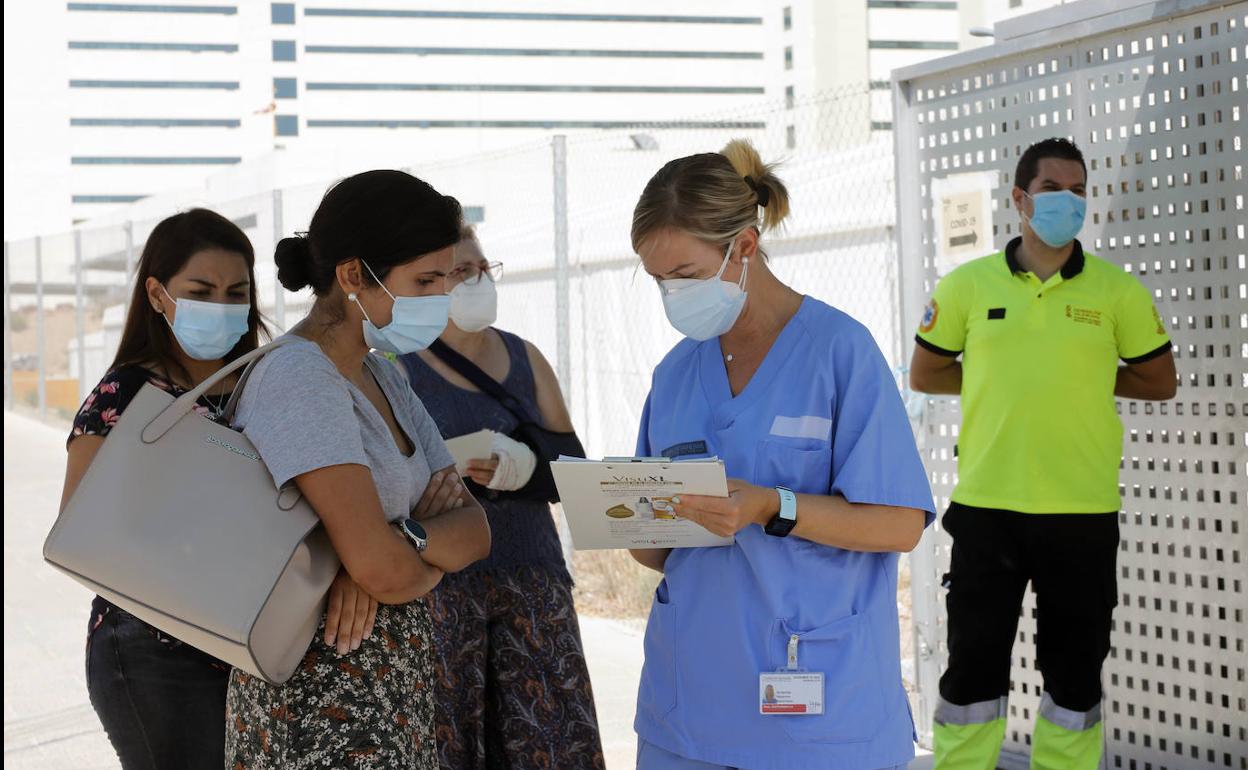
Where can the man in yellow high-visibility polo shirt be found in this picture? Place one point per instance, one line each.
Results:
(1031, 338)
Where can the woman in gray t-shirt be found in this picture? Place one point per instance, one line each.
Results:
(342, 424)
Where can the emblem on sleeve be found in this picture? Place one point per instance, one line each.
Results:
(929, 316)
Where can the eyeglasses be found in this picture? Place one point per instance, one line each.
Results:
(470, 273)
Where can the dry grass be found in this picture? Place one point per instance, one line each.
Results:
(611, 584)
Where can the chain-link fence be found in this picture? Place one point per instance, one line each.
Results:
(555, 212)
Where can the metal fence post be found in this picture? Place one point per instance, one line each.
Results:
(563, 335)
(924, 597)
(279, 292)
(80, 322)
(131, 262)
(40, 341)
(563, 301)
(8, 334)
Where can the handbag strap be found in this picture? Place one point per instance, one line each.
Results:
(477, 376)
(183, 404)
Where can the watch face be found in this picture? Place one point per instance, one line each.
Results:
(414, 529)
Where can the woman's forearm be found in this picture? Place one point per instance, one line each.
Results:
(654, 558)
(457, 537)
(833, 520)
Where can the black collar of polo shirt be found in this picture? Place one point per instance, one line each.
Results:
(1074, 263)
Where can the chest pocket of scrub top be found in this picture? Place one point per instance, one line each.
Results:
(854, 686)
(802, 465)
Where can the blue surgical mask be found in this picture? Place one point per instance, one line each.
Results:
(1057, 217)
(415, 322)
(702, 309)
(208, 330)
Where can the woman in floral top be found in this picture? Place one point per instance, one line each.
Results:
(162, 702)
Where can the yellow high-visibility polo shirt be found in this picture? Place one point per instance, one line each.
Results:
(1040, 432)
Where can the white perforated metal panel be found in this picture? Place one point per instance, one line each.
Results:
(1157, 105)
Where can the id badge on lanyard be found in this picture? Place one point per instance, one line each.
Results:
(792, 689)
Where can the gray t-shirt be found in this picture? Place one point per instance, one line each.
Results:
(301, 414)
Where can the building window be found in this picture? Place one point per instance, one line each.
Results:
(285, 88)
(564, 53)
(283, 13)
(106, 198)
(157, 122)
(788, 97)
(913, 45)
(927, 5)
(542, 124)
(154, 160)
(790, 137)
(544, 88)
(221, 85)
(630, 18)
(224, 10)
(1016, 3)
(286, 125)
(283, 50)
(788, 57)
(112, 45)
(788, 18)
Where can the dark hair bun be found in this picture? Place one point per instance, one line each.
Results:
(294, 263)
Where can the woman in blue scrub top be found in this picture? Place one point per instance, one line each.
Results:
(826, 487)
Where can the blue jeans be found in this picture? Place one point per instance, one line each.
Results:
(162, 702)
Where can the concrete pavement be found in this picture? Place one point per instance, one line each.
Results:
(48, 723)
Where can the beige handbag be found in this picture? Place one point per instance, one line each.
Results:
(178, 522)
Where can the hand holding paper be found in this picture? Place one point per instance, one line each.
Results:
(510, 467)
(746, 504)
(473, 446)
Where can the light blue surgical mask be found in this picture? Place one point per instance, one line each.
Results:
(207, 331)
(1057, 217)
(703, 309)
(415, 322)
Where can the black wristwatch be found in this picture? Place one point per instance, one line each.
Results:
(414, 532)
(783, 522)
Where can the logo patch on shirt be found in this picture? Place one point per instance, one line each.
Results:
(996, 313)
(1082, 315)
(929, 316)
(684, 450)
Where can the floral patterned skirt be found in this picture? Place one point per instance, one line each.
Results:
(513, 687)
(372, 708)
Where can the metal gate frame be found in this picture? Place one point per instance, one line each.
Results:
(1155, 93)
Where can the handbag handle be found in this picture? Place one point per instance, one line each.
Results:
(163, 422)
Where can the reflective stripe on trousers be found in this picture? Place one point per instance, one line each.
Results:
(969, 737)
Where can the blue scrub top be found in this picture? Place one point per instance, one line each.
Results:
(822, 415)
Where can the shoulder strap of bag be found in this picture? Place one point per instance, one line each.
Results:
(477, 376)
(163, 422)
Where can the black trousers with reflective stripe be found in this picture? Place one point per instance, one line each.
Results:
(1070, 560)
